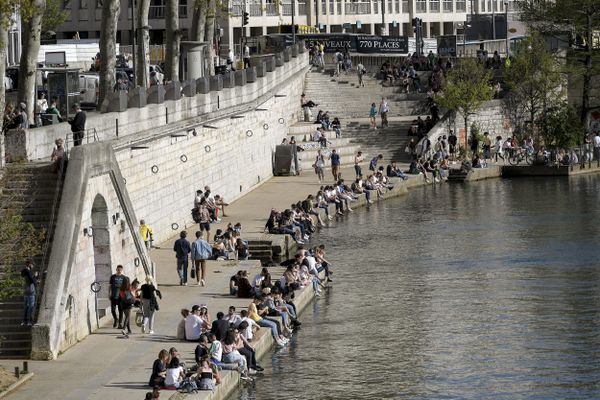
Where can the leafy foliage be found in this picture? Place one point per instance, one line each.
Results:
(54, 16)
(19, 240)
(466, 88)
(561, 127)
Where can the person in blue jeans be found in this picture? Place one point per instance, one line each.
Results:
(201, 251)
(182, 251)
(29, 291)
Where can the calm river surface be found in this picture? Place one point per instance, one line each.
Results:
(485, 290)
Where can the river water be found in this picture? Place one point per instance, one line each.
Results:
(485, 290)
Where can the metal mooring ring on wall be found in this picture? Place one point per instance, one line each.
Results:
(174, 226)
(281, 121)
(125, 181)
(183, 158)
(95, 287)
(266, 127)
(154, 169)
(207, 148)
(249, 133)
(136, 262)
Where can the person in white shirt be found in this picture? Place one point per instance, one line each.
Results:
(248, 333)
(232, 317)
(193, 325)
(246, 56)
(231, 60)
(175, 374)
(357, 160)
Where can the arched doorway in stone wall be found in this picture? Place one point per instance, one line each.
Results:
(102, 256)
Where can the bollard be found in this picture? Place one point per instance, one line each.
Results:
(117, 126)
(167, 114)
(25, 367)
(17, 373)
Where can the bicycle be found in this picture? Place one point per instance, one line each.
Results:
(521, 154)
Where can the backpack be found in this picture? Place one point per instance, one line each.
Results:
(188, 386)
(196, 215)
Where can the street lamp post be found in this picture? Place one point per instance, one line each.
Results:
(133, 39)
(293, 23)
(383, 29)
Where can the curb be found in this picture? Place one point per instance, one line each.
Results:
(15, 385)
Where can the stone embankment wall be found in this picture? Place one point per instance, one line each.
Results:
(152, 174)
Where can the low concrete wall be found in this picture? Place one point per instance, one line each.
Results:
(39, 142)
(542, 170)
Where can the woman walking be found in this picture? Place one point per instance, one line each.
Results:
(149, 304)
(127, 299)
(373, 116)
(320, 166)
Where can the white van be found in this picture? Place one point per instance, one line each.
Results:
(89, 85)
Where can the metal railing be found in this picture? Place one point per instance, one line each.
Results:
(448, 6)
(255, 10)
(421, 6)
(434, 6)
(271, 9)
(357, 8)
(301, 8)
(461, 6)
(286, 9)
(158, 12)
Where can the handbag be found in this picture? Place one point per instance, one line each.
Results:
(139, 318)
(193, 273)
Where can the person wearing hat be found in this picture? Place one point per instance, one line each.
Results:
(77, 125)
(193, 325)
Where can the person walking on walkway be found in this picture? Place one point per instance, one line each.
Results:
(78, 125)
(320, 166)
(115, 282)
(29, 291)
(182, 251)
(149, 304)
(335, 164)
(201, 251)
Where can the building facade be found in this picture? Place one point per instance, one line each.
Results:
(440, 17)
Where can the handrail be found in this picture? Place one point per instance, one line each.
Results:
(50, 230)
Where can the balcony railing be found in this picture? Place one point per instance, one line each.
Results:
(271, 9)
(158, 12)
(255, 10)
(358, 8)
(448, 6)
(421, 6)
(461, 6)
(434, 6)
(301, 8)
(286, 8)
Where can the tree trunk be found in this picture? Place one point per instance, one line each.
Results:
(108, 50)
(32, 30)
(209, 36)
(198, 21)
(3, 46)
(142, 51)
(173, 39)
(466, 117)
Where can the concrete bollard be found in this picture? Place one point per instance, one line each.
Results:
(270, 63)
(189, 88)
(137, 98)
(203, 85)
(117, 101)
(261, 69)
(279, 59)
(229, 80)
(251, 74)
(156, 94)
(173, 91)
(295, 50)
(216, 83)
(287, 54)
(240, 77)
(301, 47)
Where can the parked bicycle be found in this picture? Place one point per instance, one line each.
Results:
(519, 155)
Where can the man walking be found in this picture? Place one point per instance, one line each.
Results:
(384, 108)
(182, 251)
(29, 291)
(357, 160)
(335, 164)
(246, 56)
(115, 282)
(77, 125)
(201, 251)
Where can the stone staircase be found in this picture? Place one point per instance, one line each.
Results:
(342, 97)
(261, 250)
(32, 187)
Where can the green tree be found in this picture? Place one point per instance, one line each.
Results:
(578, 17)
(561, 127)
(465, 89)
(534, 80)
(19, 240)
(54, 16)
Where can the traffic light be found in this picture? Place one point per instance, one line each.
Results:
(245, 18)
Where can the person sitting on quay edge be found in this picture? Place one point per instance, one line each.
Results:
(220, 326)
(194, 325)
(159, 370)
(245, 290)
(393, 171)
